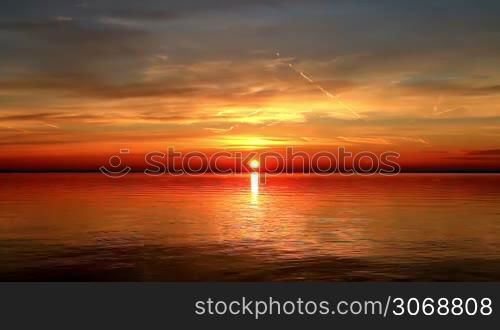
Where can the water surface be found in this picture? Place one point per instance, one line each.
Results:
(87, 227)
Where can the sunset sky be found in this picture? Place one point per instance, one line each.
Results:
(80, 80)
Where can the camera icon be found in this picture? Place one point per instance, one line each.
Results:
(115, 163)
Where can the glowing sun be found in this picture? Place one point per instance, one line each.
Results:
(254, 164)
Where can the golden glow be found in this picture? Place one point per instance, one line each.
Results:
(449, 124)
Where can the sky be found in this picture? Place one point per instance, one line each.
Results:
(80, 80)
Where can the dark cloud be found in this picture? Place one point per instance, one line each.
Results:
(476, 158)
(140, 10)
(31, 116)
(61, 52)
(75, 35)
(389, 34)
(491, 152)
(487, 155)
(141, 15)
(99, 90)
(154, 10)
(33, 24)
(69, 50)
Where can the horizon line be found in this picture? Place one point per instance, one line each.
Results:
(432, 171)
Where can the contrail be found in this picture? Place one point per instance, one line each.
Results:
(304, 75)
(51, 125)
(445, 111)
(323, 90)
(339, 101)
(437, 106)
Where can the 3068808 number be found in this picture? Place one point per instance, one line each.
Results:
(443, 306)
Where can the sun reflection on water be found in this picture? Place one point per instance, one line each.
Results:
(254, 185)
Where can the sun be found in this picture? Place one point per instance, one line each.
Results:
(254, 164)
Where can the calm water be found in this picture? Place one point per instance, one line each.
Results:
(295, 227)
